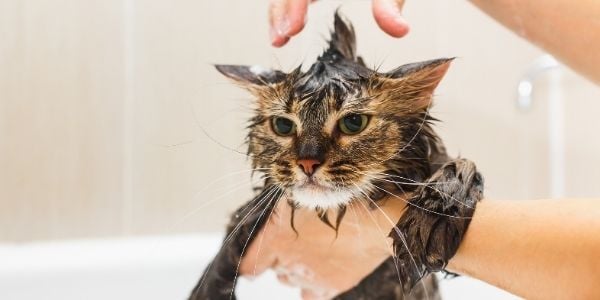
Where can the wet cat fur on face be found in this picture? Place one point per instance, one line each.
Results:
(340, 130)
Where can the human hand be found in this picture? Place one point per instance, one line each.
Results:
(287, 18)
(317, 261)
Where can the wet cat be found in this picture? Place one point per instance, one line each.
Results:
(338, 132)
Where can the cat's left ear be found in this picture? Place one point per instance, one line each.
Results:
(251, 76)
(416, 82)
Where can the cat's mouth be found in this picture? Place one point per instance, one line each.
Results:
(312, 183)
(312, 193)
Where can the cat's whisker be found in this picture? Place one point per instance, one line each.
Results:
(209, 136)
(359, 225)
(259, 203)
(418, 206)
(245, 206)
(248, 240)
(203, 205)
(225, 242)
(386, 177)
(223, 177)
(273, 190)
(401, 235)
(183, 143)
(262, 237)
(372, 175)
(397, 183)
(368, 211)
(226, 191)
(429, 185)
(412, 181)
(355, 212)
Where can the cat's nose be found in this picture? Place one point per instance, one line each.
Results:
(308, 166)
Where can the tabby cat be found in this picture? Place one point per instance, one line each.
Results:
(323, 136)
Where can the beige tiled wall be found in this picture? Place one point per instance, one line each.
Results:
(112, 120)
(61, 118)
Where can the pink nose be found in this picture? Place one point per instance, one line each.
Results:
(308, 165)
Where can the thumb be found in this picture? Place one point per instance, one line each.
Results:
(258, 257)
(388, 15)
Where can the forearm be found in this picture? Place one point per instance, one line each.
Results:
(569, 30)
(543, 249)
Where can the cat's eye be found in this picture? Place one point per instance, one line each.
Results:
(353, 123)
(283, 126)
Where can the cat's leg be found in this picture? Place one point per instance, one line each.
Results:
(220, 276)
(430, 230)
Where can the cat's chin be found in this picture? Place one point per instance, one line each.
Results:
(321, 197)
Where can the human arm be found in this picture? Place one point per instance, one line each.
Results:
(569, 30)
(540, 249)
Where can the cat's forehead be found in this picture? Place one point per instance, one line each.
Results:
(316, 107)
(319, 104)
(326, 88)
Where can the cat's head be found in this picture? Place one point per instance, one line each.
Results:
(331, 133)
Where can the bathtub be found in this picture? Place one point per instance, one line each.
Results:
(148, 268)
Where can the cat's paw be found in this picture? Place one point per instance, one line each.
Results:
(431, 229)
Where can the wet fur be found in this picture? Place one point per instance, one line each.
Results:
(399, 149)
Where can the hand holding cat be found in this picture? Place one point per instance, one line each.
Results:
(287, 18)
(315, 260)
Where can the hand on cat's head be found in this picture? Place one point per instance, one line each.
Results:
(314, 259)
(287, 18)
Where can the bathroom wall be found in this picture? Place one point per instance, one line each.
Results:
(113, 121)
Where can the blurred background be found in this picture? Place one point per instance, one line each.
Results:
(116, 133)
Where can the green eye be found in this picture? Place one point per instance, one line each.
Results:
(283, 126)
(353, 124)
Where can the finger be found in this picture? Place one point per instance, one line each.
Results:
(258, 257)
(286, 19)
(388, 15)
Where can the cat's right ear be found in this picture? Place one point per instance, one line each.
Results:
(251, 77)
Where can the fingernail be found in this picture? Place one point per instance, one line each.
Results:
(277, 39)
(274, 35)
(399, 18)
(279, 32)
(283, 27)
(395, 12)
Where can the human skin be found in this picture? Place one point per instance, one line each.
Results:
(569, 30)
(316, 260)
(537, 249)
